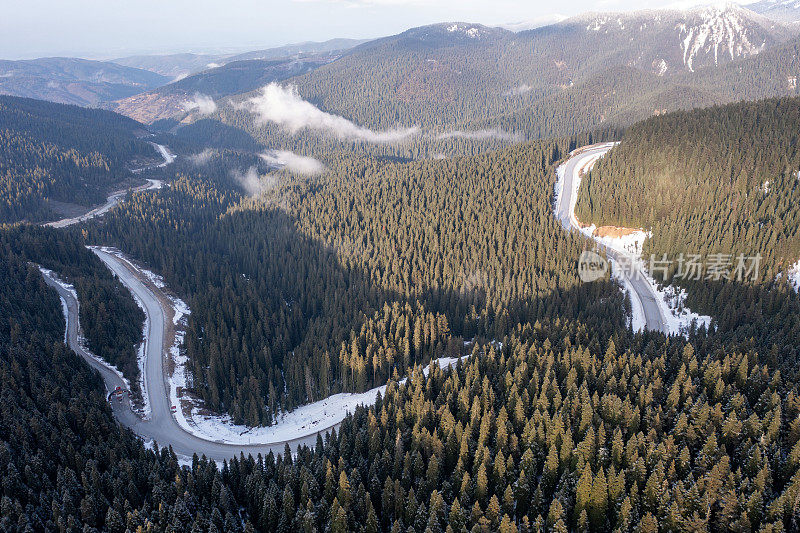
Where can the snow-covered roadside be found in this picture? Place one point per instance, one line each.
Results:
(306, 419)
(559, 188)
(141, 353)
(794, 273)
(178, 378)
(677, 317)
(192, 418)
(81, 340)
(670, 299)
(168, 157)
(638, 322)
(680, 319)
(576, 185)
(630, 244)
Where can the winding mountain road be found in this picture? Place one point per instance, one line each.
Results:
(116, 197)
(160, 426)
(581, 161)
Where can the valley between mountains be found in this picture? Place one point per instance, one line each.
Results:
(452, 278)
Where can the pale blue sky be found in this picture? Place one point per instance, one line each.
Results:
(113, 28)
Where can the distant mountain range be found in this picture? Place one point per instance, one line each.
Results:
(182, 65)
(780, 10)
(74, 81)
(593, 69)
(176, 99)
(171, 65)
(671, 41)
(300, 49)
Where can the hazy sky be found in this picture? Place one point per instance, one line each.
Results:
(112, 28)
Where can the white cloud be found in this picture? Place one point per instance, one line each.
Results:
(519, 90)
(202, 158)
(204, 105)
(285, 107)
(253, 183)
(213, 65)
(298, 164)
(481, 135)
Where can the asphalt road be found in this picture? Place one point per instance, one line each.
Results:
(117, 196)
(581, 161)
(160, 426)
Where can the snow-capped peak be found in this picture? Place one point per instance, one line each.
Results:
(688, 39)
(473, 31)
(449, 32)
(780, 10)
(719, 29)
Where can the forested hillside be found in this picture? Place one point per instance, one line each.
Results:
(557, 419)
(562, 429)
(171, 100)
(66, 464)
(722, 180)
(56, 158)
(334, 283)
(599, 70)
(717, 179)
(555, 435)
(110, 320)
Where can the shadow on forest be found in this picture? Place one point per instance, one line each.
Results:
(210, 133)
(272, 306)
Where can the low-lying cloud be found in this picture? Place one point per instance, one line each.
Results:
(481, 135)
(201, 158)
(285, 107)
(253, 183)
(519, 90)
(202, 104)
(299, 164)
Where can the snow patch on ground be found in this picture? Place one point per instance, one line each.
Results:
(630, 244)
(637, 320)
(680, 319)
(305, 420)
(81, 339)
(794, 276)
(141, 353)
(671, 300)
